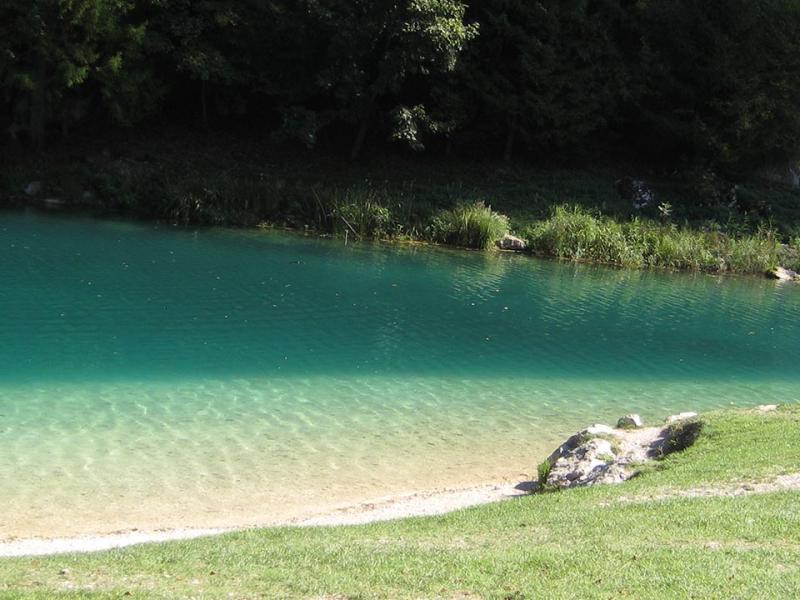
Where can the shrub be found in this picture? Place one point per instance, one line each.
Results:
(680, 436)
(543, 472)
(469, 225)
(361, 211)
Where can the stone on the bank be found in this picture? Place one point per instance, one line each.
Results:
(782, 274)
(597, 429)
(510, 242)
(630, 422)
(590, 457)
(33, 188)
(602, 455)
(680, 417)
(768, 408)
(635, 191)
(785, 174)
(590, 462)
(53, 202)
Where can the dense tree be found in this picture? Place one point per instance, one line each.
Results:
(199, 39)
(376, 46)
(56, 50)
(713, 83)
(722, 81)
(547, 73)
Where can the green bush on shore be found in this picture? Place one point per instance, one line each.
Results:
(469, 225)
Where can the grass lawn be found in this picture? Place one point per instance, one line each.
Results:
(647, 538)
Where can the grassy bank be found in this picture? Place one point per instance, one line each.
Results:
(569, 214)
(576, 234)
(648, 538)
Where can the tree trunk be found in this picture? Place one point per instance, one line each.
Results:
(512, 130)
(204, 103)
(363, 127)
(360, 137)
(38, 108)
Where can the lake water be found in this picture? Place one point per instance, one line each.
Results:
(153, 376)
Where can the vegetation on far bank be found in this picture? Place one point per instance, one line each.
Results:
(678, 530)
(568, 214)
(703, 97)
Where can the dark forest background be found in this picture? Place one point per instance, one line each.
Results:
(712, 83)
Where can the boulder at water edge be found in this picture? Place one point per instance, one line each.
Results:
(510, 242)
(782, 274)
(591, 456)
(600, 454)
(630, 422)
(680, 417)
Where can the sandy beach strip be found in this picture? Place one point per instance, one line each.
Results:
(417, 504)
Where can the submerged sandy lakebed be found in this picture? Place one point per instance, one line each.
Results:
(427, 503)
(158, 379)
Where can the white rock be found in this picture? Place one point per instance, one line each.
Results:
(782, 274)
(768, 407)
(630, 422)
(581, 462)
(510, 242)
(33, 188)
(680, 417)
(599, 429)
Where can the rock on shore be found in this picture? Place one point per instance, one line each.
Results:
(601, 454)
(510, 242)
(781, 274)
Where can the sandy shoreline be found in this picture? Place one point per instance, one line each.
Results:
(424, 503)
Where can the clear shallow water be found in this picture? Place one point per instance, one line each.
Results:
(158, 377)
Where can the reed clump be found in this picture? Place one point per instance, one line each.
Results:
(575, 233)
(473, 225)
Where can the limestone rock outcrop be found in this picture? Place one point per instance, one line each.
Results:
(601, 454)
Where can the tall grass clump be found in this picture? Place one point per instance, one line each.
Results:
(753, 253)
(574, 233)
(361, 211)
(543, 473)
(791, 255)
(674, 248)
(469, 225)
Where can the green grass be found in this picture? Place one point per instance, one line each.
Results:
(603, 542)
(472, 225)
(576, 233)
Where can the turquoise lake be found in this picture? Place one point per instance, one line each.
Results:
(154, 376)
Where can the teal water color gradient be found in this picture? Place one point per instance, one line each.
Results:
(157, 376)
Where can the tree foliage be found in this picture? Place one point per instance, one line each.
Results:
(713, 84)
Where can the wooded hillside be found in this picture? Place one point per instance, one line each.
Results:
(713, 83)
